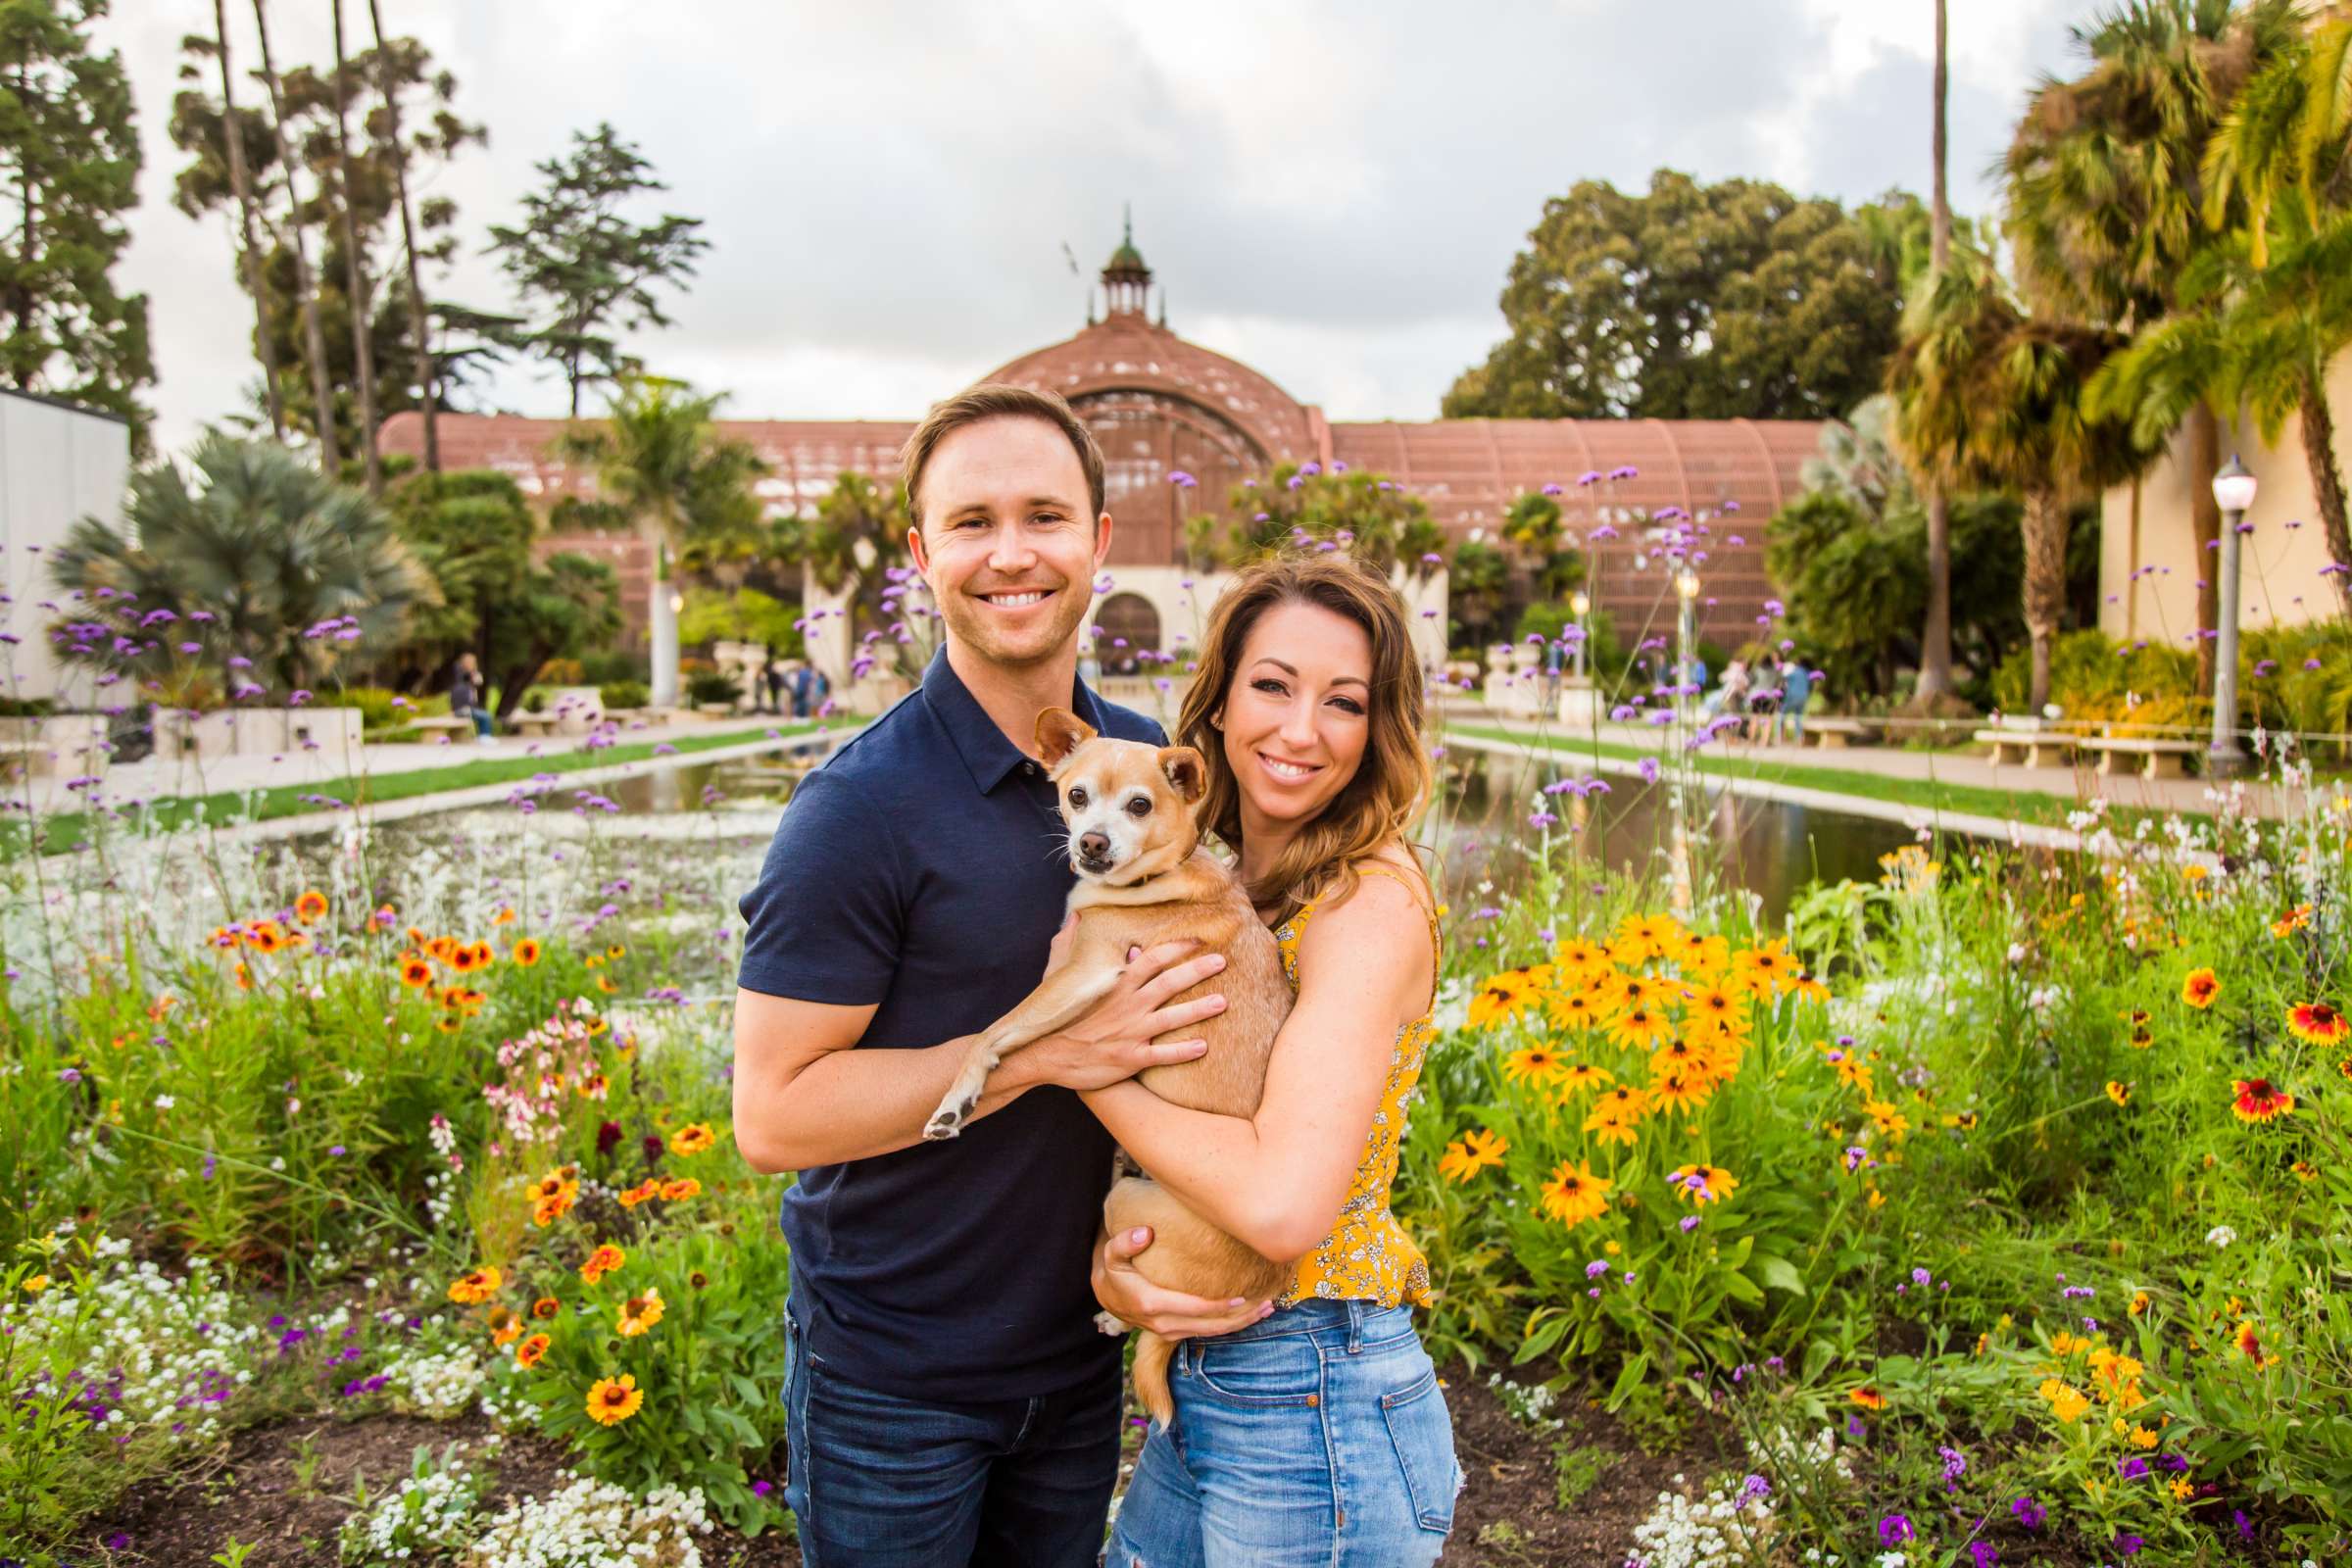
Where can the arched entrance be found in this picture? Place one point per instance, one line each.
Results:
(1127, 627)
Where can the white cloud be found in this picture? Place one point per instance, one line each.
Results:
(1331, 192)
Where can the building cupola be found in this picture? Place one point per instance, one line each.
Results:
(1126, 281)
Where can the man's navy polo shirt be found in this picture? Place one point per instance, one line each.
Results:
(919, 869)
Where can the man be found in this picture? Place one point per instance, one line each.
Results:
(949, 1398)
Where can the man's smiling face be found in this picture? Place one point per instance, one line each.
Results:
(1006, 543)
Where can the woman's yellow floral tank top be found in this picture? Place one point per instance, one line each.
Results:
(1367, 1256)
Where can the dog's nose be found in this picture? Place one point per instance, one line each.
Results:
(1094, 846)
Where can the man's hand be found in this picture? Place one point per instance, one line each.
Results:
(1129, 1296)
(1114, 1042)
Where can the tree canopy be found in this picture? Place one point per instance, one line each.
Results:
(69, 171)
(1694, 302)
(585, 271)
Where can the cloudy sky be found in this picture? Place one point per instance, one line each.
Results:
(1331, 192)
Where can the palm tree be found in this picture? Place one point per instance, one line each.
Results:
(1993, 398)
(2106, 188)
(2280, 284)
(1859, 461)
(1936, 638)
(429, 386)
(307, 296)
(355, 265)
(240, 182)
(659, 457)
(268, 568)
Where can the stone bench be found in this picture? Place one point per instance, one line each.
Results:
(441, 724)
(2028, 746)
(1835, 734)
(535, 726)
(2160, 759)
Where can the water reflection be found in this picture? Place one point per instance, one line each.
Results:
(1774, 850)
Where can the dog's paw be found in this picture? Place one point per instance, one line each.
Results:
(1111, 1325)
(943, 1124)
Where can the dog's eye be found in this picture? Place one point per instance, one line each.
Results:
(1141, 805)
(1077, 800)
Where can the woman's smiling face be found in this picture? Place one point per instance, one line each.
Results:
(1299, 713)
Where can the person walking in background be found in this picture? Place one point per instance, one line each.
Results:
(465, 699)
(772, 676)
(1763, 697)
(1730, 696)
(798, 683)
(1796, 690)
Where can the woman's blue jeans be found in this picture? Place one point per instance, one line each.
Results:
(1317, 1437)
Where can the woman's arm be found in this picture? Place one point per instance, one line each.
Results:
(1276, 1180)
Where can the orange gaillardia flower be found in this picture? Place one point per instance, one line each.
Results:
(2120, 1093)
(2200, 988)
(602, 1261)
(505, 915)
(613, 1400)
(546, 1306)
(1575, 1194)
(527, 951)
(531, 1350)
(1867, 1397)
(414, 973)
(506, 1327)
(2259, 1099)
(1471, 1153)
(692, 1139)
(310, 906)
(643, 1192)
(640, 1312)
(2318, 1023)
(681, 1189)
(2249, 1344)
(476, 1287)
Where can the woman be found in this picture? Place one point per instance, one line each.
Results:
(1317, 1435)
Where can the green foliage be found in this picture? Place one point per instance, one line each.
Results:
(1576, 1469)
(364, 187)
(1690, 302)
(585, 271)
(473, 530)
(1478, 580)
(1531, 525)
(1376, 518)
(69, 165)
(623, 694)
(746, 615)
(380, 708)
(266, 552)
(712, 686)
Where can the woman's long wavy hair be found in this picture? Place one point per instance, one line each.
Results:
(1391, 784)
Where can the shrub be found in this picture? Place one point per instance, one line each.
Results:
(713, 686)
(376, 706)
(623, 694)
(611, 664)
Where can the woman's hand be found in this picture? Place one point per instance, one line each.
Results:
(1134, 1299)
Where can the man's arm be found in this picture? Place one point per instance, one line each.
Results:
(804, 1097)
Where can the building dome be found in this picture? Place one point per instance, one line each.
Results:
(1160, 405)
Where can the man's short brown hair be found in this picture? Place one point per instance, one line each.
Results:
(991, 399)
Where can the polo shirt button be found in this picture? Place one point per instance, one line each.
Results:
(1029, 768)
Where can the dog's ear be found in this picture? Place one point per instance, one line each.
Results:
(1059, 732)
(1187, 769)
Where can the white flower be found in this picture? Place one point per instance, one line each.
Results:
(2219, 1236)
(164, 1101)
(2017, 952)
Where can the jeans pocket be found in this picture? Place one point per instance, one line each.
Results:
(1422, 1434)
(1282, 1372)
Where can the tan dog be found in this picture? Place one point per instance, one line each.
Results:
(1143, 878)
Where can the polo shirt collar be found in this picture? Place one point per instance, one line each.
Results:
(987, 755)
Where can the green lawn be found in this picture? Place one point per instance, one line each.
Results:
(1926, 795)
(65, 829)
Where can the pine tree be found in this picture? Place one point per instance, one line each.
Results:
(68, 172)
(584, 271)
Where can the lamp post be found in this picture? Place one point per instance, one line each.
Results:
(1581, 603)
(1685, 586)
(2233, 491)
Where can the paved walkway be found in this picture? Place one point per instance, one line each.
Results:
(159, 778)
(2079, 784)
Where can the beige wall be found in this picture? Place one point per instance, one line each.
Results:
(2280, 583)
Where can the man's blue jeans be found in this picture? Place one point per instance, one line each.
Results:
(877, 1481)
